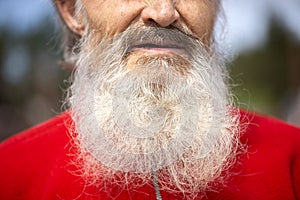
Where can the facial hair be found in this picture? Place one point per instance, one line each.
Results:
(135, 114)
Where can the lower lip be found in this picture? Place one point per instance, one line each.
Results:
(161, 51)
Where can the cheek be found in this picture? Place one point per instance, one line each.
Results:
(111, 17)
(201, 20)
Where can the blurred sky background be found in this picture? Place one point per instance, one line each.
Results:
(262, 37)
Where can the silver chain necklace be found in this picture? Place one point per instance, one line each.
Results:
(156, 186)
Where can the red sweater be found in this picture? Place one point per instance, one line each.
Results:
(35, 165)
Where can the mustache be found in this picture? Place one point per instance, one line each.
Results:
(152, 36)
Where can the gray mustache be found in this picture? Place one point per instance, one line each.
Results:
(158, 36)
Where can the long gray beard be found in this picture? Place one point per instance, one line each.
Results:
(163, 113)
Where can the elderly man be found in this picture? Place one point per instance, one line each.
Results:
(150, 115)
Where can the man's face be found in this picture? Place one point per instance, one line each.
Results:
(110, 17)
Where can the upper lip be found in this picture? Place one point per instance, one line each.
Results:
(163, 44)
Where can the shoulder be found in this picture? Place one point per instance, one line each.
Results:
(49, 136)
(47, 131)
(29, 159)
(265, 129)
(270, 140)
(270, 166)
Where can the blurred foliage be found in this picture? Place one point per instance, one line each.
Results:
(34, 95)
(267, 80)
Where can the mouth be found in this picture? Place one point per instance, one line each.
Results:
(159, 48)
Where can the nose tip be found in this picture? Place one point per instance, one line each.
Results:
(162, 12)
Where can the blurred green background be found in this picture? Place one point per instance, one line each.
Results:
(265, 77)
(267, 80)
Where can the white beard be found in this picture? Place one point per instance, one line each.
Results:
(137, 114)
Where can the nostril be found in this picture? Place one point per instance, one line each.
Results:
(151, 22)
